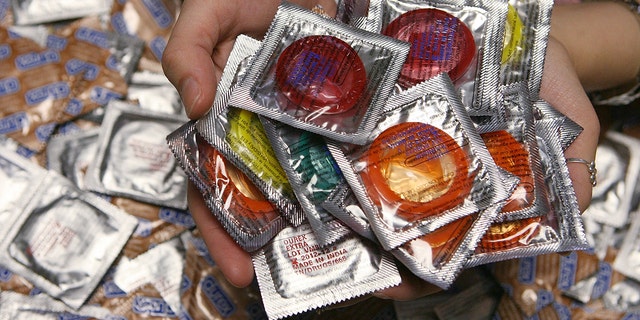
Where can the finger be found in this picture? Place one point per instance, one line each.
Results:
(562, 89)
(234, 262)
(200, 43)
(186, 60)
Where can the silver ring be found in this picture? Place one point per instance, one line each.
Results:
(591, 166)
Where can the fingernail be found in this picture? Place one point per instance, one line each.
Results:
(190, 93)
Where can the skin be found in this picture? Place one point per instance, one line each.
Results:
(203, 37)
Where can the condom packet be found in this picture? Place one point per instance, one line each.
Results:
(425, 128)
(167, 268)
(295, 274)
(19, 175)
(153, 91)
(64, 239)
(293, 78)
(510, 137)
(161, 266)
(100, 62)
(455, 37)
(33, 90)
(133, 159)
(618, 163)
(526, 37)
(560, 229)
(247, 216)
(439, 256)
(626, 261)
(71, 154)
(312, 173)
(144, 302)
(150, 21)
(30, 12)
(603, 284)
(240, 137)
(14, 305)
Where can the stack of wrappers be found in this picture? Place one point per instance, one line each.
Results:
(399, 136)
(400, 133)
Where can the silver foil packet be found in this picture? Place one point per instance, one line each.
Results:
(247, 216)
(626, 261)
(19, 176)
(511, 139)
(18, 306)
(240, 137)
(312, 173)
(560, 229)
(618, 163)
(526, 36)
(161, 266)
(424, 166)
(42, 11)
(71, 154)
(64, 239)
(133, 159)
(295, 274)
(317, 74)
(623, 297)
(154, 92)
(99, 63)
(460, 38)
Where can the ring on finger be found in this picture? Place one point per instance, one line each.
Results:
(591, 166)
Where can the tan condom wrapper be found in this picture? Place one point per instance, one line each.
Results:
(33, 88)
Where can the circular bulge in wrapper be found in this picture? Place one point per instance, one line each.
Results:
(512, 156)
(417, 170)
(510, 234)
(321, 74)
(440, 43)
(317, 166)
(238, 192)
